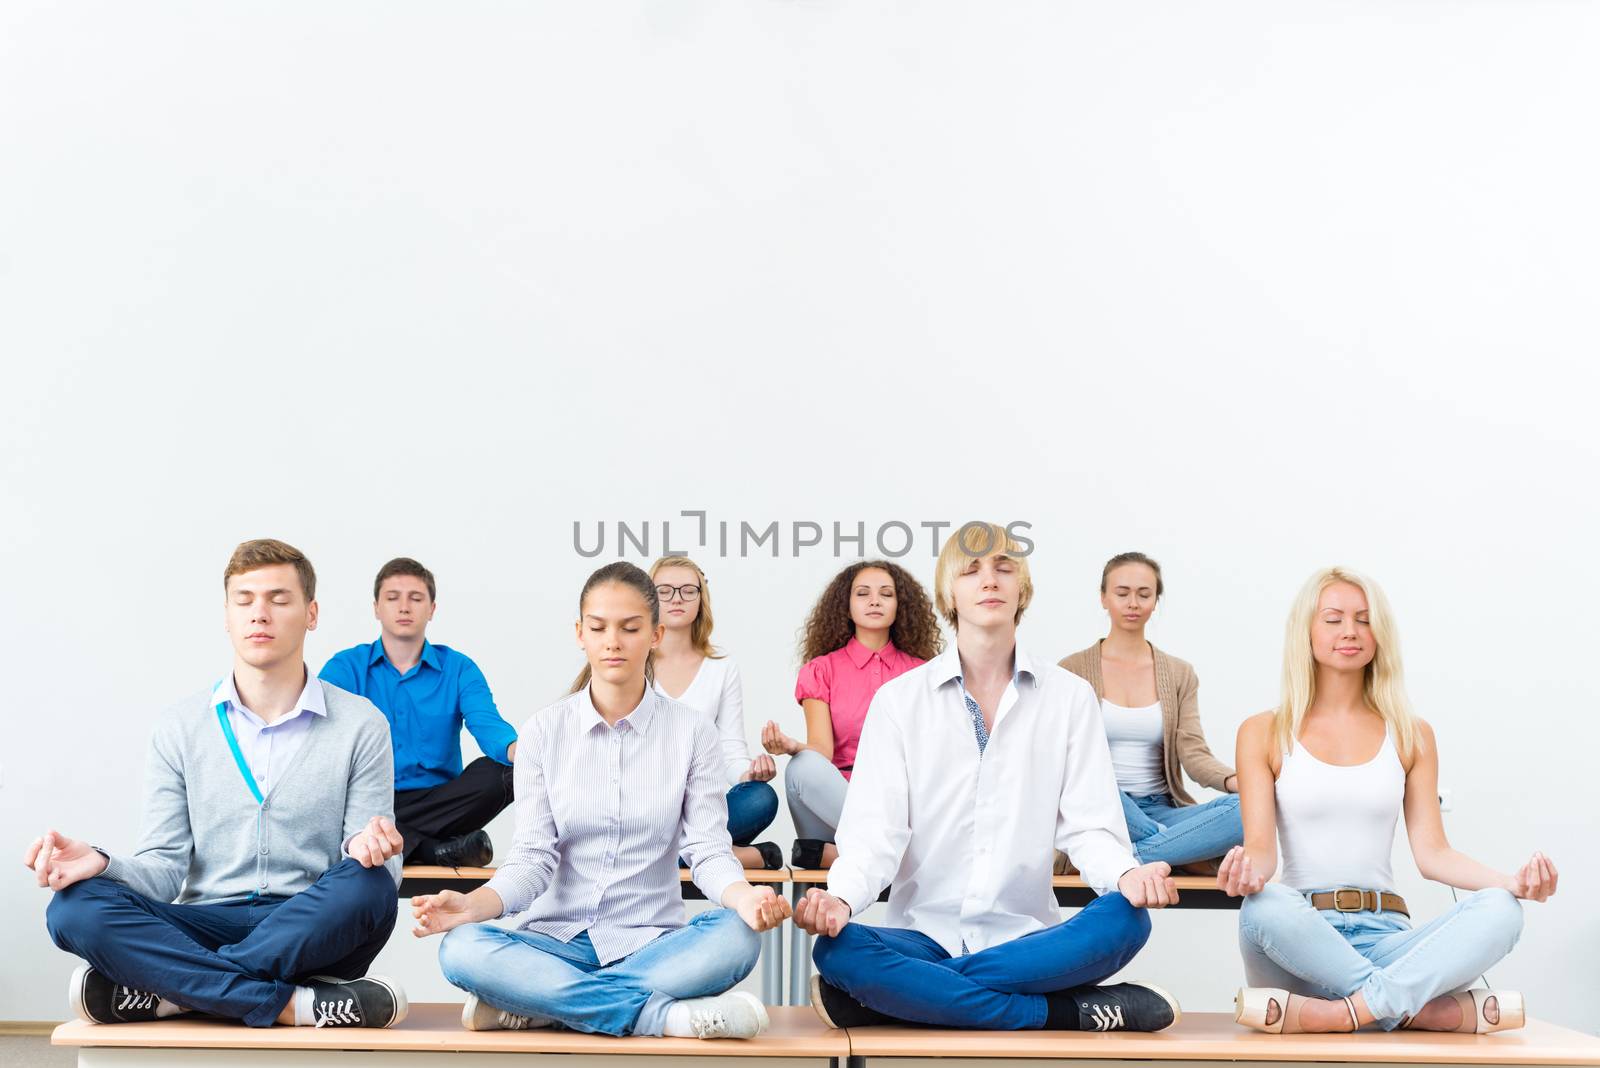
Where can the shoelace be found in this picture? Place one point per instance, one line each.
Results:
(709, 1023)
(1106, 1017)
(129, 998)
(512, 1022)
(337, 1012)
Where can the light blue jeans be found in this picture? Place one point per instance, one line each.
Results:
(555, 982)
(1397, 969)
(1163, 831)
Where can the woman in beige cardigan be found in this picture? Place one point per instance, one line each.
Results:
(1151, 708)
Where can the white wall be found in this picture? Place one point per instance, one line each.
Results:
(1253, 287)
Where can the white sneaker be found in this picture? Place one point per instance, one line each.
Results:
(736, 1014)
(479, 1015)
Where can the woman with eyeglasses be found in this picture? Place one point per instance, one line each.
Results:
(690, 669)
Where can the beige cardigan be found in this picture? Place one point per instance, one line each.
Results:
(1183, 740)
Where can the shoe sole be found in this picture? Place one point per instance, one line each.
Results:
(75, 985)
(763, 1021)
(816, 1001)
(468, 1010)
(1172, 1002)
(401, 1006)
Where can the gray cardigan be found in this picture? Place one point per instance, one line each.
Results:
(203, 840)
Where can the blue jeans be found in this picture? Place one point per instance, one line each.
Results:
(908, 975)
(1163, 831)
(1397, 969)
(241, 960)
(752, 806)
(554, 982)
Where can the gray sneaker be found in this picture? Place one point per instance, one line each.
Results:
(479, 1015)
(736, 1014)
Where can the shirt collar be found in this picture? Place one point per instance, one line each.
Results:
(311, 697)
(859, 654)
(947, 666)
(589, 717)
(430, 656)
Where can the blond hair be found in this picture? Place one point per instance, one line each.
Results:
(266, 552)
(1384, 684)
(700, 629)
(971, 542)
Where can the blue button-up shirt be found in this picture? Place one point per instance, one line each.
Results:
(426, 708)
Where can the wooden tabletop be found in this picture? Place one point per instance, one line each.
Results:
(819, 876)
(429, 871)
(796, 1031)
(1207, 1036)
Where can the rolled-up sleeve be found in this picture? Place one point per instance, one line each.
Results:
(875, 826)
(705, 842)
(1090, 826)
(528, 868)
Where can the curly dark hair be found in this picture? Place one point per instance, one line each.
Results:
(915, 629)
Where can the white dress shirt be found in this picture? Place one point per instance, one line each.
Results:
(269, 748)
(717, 690)
(602, 813)
(965, 840)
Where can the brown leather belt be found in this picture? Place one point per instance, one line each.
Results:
(1349, 899)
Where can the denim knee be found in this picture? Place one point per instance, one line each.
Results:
(727, 937)
(372, 894)
(73, 916)
(830, 951)
(1503, 911)
(762, 800)
(462, 951)
(1267, 907)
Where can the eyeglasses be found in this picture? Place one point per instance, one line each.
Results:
(688, 592)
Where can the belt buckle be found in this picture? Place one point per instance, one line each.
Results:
(1339, 899)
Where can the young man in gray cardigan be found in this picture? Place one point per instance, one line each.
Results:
(264, 883)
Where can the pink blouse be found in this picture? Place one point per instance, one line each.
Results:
(847, 678)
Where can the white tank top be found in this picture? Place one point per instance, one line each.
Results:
(1135, 738)
(1336, 824)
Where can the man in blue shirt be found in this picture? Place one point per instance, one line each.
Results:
(427, 692)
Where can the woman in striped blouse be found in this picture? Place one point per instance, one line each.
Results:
(612, 783)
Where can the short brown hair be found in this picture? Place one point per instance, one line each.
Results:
(404, 565)
(265, 552)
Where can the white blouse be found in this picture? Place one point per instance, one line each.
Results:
(718, 691)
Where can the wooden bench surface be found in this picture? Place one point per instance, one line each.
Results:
(428, 871)
(819, 876)
(1213, 1036)
(796, 1031)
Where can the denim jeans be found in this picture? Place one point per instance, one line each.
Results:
(752, 806)
(555, 982)
(909, 976)
(1161, 830)
(241, 960)
(1397, 969)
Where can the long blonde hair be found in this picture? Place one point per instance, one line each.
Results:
(1384, 685)
(700, 629)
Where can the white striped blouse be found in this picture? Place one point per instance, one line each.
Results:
(603, 814)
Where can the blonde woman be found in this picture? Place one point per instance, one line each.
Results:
(1326, 775)
(690, 669)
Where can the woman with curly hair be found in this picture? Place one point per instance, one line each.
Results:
(872, 622)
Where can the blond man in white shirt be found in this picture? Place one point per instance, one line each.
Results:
(971, 769)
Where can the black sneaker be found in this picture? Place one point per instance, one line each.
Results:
(468, 851)
(807, 853)
(371, 1001)
(1125, 1007)
(771, 855)
(98, 1000)
(839, 1009)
